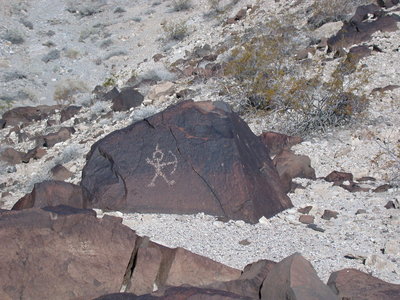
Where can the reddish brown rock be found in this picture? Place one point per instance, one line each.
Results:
(156, 265)
(11, 156)
(35, 153)
(178, 293)
(306, 219)
(277, 142)
(62, 135)
(290, 165)
(126, 99)
(250, 282)
(382, 188)
(46, 255)
(52, 193)
(193, 157)
(69, 112)
(27, 114)
(305, 210)
(356, 285)
(337, 176)
(329, 214)
(59, 172)
(357, 53)
(294, 278)
(360, 28)
(352, 187)
(389, 87)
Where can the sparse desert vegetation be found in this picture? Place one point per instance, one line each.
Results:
(221, 120)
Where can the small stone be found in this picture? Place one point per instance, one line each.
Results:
(382, 188)
(306, 219)
(240, 223)
(263, 220)
(329, 214)
(355, 256)
(244, 242)
(392, 247)
(315, 227)
(337, 176)
(361, 211)
(59, 172)
(305, 210)
(366, 178)
(378, 262)
(390, 205)
(395, 220)
(218, 224)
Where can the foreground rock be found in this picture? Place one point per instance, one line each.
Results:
(353, 284)
(193, 157)
(52, 193)
(158, 266)
(250, 281)
(46, 255)
(178, 293)
(294, 278)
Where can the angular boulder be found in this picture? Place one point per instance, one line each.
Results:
(277, 142)
(63, 134)
(250, 281)
(193, 157)
(159, 266)
(69, 112)
(354, 284)
(290, 165)
(11, 156)
(52, 193)
(126, 99)
(294, 278)
(46, 255)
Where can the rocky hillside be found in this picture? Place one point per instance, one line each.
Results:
(325, 74)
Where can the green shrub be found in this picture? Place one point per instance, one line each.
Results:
(176, 31)
(66, 90)
(181, 5)
(266, 74)
(13, 36)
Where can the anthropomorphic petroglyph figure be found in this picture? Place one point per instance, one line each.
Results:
(158, 164)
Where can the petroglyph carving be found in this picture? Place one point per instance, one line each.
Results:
(159, 165)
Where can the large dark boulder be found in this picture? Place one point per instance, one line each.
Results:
(53, 255)
(52, 193)
(354, 284)
(193, 157)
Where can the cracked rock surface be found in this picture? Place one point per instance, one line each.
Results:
(194, 157)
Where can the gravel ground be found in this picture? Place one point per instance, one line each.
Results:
(368, 241)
